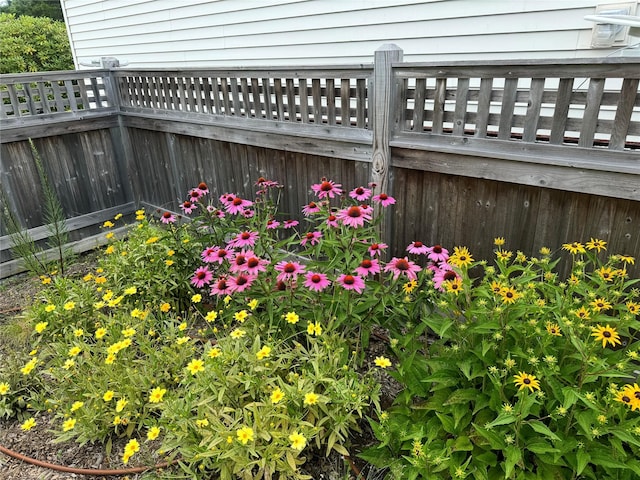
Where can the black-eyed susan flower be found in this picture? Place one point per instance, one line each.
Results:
(606, 273)
(583, 313)
(623, 396)
(606, 334)
(600, 305)
(553, 329)
(634, 393)
(633, 308)
(509, 294)
(596, 244)
(454, 285)
(574, 248)
(524, 380)
(499, 241)
(461, 257)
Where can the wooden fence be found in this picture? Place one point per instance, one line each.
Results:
(542, 152)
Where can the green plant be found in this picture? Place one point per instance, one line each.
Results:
(514, 373)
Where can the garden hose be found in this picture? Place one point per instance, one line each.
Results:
(82, 471)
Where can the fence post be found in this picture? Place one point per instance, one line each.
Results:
(385, 97)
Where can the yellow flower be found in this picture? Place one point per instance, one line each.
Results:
(241, 316)
(78, 332)
(574, 248)
(68, 424)
(606, 335)
(100, 332)
(41, 326)
(108, 395)
(76, 406)
(460, 257)
(28, 424)
(130, 449)
(277, 395)
(553, 329)
(298, 441)
(627, 259)
(545, 251)
(510, 294)
(4, 388)
(382, 362)
(202, 423)
(263, 353)
(155, 396)
(69, 305)
(211, 316)
(606, 273)
(28, 368)
(45, 280)
(524, 380)
(291, 317)
(498, 241)
(583, 313)
(503, 255)
(410, 286)
(140, 212)
(314, 328)
(237, 333)
(182, 340)
(600, 304)
(252, 304)
(108, 224)
(118, 216)
(168, 263)
(453, 286)
(130, 291)
(171, 253)
(121, 404)
(109, 235)
(182, 327)
(633, 308)
(109, 250)
(214, 353)
(49, 308)
(165, 307)
(634, 392)
(595, 244)
(196, 365)
(111, 357)
(151, 240)
(153, 433)
(245, 435)
(74, 351)
(624, 396)
(310, 398)
(197, 298)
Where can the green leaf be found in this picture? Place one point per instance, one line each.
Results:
(447, 422)
(463, 395)
(540, 446)
(503, 419)
(540, 427)
(570, 397)
(462, 443)
(582, 460)
(625, 436)
(513, 455)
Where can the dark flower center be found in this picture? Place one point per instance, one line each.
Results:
(315, 278)
(222, 285)
(312, 205)
(359, 191)
(310, 235)
(349, 280)
(606, 334)
(374, 246)
(437, 249)
(417, 244)
(166, 215)
(222, 253)
(402, 264)
(509, 294)
(237, 201)
(366, 263)
(281, 286)
(383, 196)
(245, 235)
(241, 280)
(637, 395)
(526, 381)
(241, 260)
(202, 186)
(253, 262)
(449, 275)
(187, 204)
(289, 268)
(354, 212)
(326, 186)
(332, 218)
(201, 275)
(625, 399)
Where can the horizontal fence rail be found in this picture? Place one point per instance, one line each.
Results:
(332, 96)
(55, 95)
(570, 103)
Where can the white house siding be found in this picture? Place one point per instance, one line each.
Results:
(215, 33)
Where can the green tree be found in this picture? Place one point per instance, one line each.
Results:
(34, 8)
(33, 44)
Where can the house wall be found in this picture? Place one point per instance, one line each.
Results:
(206, 33)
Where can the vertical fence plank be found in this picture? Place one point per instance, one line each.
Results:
(224, 91)
(506, 111)
(256, 105)
(417, 124)
(484, 107)
(533, 110)
(82, 87)
(31, 106)
(277, 91)
(345, 103)
(304, 99)
(45, 98)
(361, 103)
(561, 111)
(246, 100)
(215, 94)
(331, 101)
(206, 96)
(438, 105)
(197, 94)
(591, 111)
(621, 122)
(316, 95)
(266, 93)
(460, 113)
(94, 89)
(292, 105)
(235, 96)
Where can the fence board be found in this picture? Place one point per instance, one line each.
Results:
(621, 124)
(592, 108)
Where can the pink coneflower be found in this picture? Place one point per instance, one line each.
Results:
(226, 199)
(255, 264)
(368, 267)
(271, 224)
(312, 237)
(443, 274)
(237, 205)
(218, 255)
(437, 254)
(310, 209)
(188, 207)
(351, 282)
(332, 221)
(289, 270)
(376, 248)
(402, 266)
(290, 223)
(361, 194)
(366, 209)
(194, 195)
(201, 277)
(418, 248)
(327, 188)
(241, 282)
(263, 182)
(353, 216)
(208, 254)
(384, 199)
(239, 261)
(248, 213)
(244, 239)
(221, 287)
(168, 217)
(316, 281)
(202, 188)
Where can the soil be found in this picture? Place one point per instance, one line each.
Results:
(16, 293)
